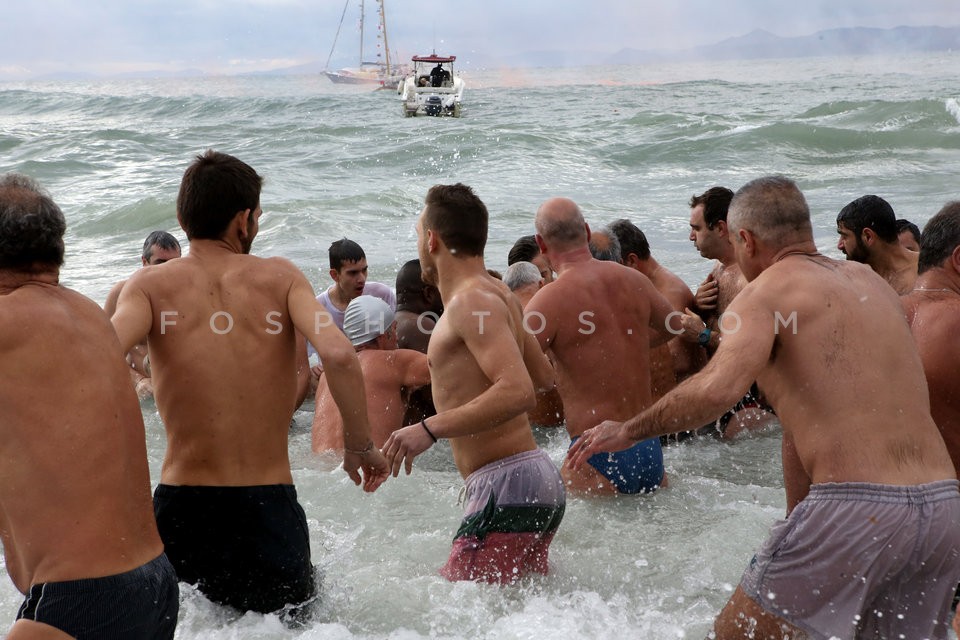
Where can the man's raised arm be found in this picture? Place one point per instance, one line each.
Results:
(133, 317)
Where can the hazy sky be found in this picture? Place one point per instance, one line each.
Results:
(107, 36)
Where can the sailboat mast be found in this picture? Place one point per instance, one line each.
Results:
(361, 33)
(383, 26)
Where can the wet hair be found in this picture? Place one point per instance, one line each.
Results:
(773, 208)
(524, 249)
(521, 274)
(940, 237)
(716, 204)
(632, 239)
(906, 225)
(31, 226)
(458, 217)
(160, 240)
(869, 212)
(214, 189)
(609, 251)
(344, 250)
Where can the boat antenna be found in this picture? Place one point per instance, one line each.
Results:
(327, 65)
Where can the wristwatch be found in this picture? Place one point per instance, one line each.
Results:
(704, 338)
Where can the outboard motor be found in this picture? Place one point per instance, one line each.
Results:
(433, 106)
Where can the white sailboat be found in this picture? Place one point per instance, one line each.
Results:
(382, 71)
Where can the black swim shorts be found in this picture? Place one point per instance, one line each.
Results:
(141, 604)
(245, 547)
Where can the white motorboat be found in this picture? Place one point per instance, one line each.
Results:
(433, 89)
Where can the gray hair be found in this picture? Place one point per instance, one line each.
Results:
(609, 252)
(773, 208)
(31, 225)
(521, 274)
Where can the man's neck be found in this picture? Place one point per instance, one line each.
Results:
(563, 260)
(10, 280)
(453, 272)
(891, 260)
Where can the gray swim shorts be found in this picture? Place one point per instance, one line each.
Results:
(861, 560)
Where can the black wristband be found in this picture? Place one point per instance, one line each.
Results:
(423, 423)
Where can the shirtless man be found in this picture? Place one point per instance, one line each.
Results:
(159, 247)
(871, 544)
(677, 359)
(220, 327)
(526, 249)
(868, 234)
(525, 279)
(711, 236)
(481, 363)
(418, 307)
(389, 374)
(908, 234)
(75, 515)
(933, 311)
(597, 321)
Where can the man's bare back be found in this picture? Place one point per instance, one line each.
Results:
(222, 322)
(388, 375)
(61, 452)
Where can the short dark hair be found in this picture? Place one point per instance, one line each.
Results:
(906, 225)
(716, 203)
(409, 283)
(632, 239)
(161, 240)
(458, 217)
(214, 189)
(524, 249)
(31, 226)
(345, 250)
(940, 237)
(869, 212)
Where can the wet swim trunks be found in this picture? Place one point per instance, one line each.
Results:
(638, 469)
(246, 547)
(752, 400)
(863, 560)
(514, 507)
(135, 605)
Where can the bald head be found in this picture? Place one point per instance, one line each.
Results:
(560, 224)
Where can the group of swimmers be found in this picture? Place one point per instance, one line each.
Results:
(618, 350)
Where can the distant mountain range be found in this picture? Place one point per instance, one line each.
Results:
(756, 44)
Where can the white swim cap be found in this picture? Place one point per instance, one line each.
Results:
(366, 318)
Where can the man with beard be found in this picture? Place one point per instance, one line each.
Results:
(870, 547)
(868, 234)
(220, 325)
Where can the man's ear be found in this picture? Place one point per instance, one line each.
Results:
(868, 237)
(244, 220)
(632, 261)
(749, 242)
(540, 243)
(587, 227)
(722, 228)
(335, 275)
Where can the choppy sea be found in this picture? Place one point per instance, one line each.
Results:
(633, 142)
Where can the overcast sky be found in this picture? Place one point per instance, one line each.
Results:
(231, 36)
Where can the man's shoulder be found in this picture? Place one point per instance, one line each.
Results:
(380, 290)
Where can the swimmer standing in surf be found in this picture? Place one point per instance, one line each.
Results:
(871, 543)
